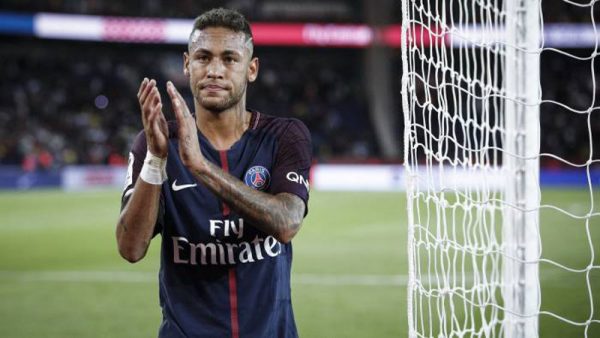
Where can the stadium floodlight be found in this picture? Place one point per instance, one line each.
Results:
(471, 98)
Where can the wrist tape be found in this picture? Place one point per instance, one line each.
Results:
(154, 170)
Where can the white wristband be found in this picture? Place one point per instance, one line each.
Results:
(154, 170)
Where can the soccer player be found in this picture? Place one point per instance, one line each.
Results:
(226, 187)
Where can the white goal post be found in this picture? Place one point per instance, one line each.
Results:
(521, 144)
(471, 97)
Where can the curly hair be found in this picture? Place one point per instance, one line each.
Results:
(226, 18)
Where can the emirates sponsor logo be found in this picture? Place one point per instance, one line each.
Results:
(221, 252)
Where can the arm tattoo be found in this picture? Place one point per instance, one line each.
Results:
(278, 215)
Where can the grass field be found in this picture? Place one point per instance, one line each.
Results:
(61, 276)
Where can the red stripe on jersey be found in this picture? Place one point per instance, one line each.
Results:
(225, 167)
(235, 327)
(233, 302)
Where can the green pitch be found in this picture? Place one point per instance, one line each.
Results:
(61, 276)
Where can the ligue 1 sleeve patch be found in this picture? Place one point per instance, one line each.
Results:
(258, 177)
(129, 178)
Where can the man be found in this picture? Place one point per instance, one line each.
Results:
(226, 189)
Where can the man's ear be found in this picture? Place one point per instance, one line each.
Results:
(253, 69)
(186, 63)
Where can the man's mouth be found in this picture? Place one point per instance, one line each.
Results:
(212, 87)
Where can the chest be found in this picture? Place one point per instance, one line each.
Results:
(195, 212)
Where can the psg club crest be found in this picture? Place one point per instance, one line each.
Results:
(257, 177)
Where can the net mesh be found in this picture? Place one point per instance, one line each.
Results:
(463, 190)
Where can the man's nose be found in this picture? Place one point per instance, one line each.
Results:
(215, 69)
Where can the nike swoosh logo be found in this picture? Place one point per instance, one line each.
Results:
(181, 187)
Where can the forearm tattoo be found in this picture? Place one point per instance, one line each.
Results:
(279, 215)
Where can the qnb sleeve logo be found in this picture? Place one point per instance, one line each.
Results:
(297, 178)
(258, 177)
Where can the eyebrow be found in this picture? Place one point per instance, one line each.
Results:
(229, 52)
(225, 52)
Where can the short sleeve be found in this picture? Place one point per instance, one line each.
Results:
(134, 165)
(137, 154)
(293, 159)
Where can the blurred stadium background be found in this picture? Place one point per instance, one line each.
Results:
(68, 113)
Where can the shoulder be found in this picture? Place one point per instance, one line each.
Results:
(283, 127)
(139, 143)
(296, 130)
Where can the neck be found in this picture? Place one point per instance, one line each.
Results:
(223, 128)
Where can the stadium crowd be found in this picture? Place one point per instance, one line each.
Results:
(78, 105)
(571, 133)
(67, 103)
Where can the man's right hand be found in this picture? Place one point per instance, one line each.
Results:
(155, 124)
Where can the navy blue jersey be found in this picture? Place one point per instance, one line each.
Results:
(219, 275)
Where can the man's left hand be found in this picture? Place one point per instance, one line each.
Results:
(189, 147)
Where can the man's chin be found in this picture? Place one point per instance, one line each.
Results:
(216, 106)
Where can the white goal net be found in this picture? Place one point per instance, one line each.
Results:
(488, 257)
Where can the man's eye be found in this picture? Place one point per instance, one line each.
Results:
(229, 60)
